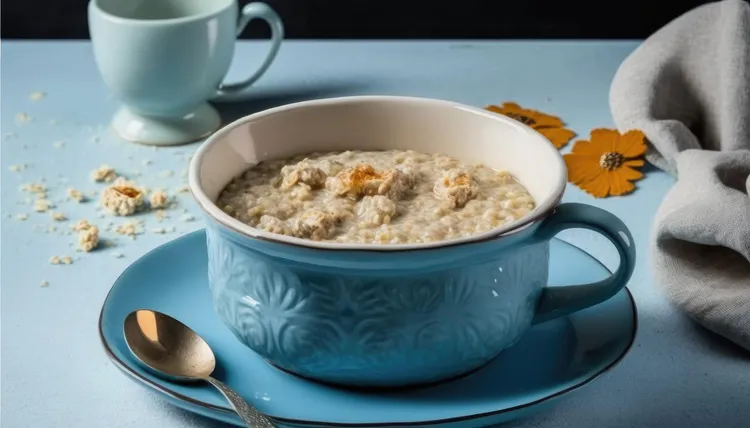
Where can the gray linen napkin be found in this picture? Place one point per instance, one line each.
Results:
(687, 87)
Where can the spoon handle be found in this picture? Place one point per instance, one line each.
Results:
(252, 417)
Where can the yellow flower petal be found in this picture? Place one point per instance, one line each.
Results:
(619, 185)
(633, 162)
(592, 148)
(629, 173)
(532, 118)
(598, 188)
(607, 138)
(559, 137)
(494, 109)
(632, 144)
(581, 168)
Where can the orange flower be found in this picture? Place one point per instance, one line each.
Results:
(549, 126)
(604, 165)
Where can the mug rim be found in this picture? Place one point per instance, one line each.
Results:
(151, 22)
(212, 210)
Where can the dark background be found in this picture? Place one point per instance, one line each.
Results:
(387, 19)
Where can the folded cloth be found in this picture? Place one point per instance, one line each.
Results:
(687, 87)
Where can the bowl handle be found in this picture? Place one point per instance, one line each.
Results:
(556, 302)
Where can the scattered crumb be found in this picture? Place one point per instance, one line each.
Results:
(42, 205)
(128, 229)
(44, 284)
(118, 255)
(146, 162)
(159, 199)
(183, 189)
(81, 225)
(104, 173)
(122, 200)
(23, 118)
(66, 260)
(159, 230)
(88, 238)
(17, 168)
(37, 96)
(122, 181)
(22, 217)
(166, 173)
(58, 216)
(34, 188)
(160, 215)
(76, 195)
(188, 218)
(58, 144)
(54, 260)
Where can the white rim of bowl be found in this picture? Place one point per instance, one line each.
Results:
(213, 211)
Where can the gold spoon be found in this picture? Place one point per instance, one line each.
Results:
(174, 351)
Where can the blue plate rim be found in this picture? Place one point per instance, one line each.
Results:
(125, 368)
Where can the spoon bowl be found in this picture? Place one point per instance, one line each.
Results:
(172, 350)
(168, 346)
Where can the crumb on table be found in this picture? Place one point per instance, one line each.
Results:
(159, 199)
(58, 216)
(23, 118)
(42, 205)
(37, 96)
(76, 195)
(104, 173)
(88, 238)
(121, 200)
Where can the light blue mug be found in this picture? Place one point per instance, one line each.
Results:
(164, 59)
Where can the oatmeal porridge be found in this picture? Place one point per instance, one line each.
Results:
(393, 196)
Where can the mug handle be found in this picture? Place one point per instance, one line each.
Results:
(556, 302)
(256, 10)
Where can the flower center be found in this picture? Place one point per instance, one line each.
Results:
(521, 118)
(611, 160)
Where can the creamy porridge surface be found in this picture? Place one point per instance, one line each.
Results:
(392, 196)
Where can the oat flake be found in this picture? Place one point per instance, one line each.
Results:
(37, 96)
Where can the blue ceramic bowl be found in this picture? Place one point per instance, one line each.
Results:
(391, 315)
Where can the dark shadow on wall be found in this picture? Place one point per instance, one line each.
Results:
(388, 19)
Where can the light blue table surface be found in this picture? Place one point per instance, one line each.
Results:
(54, 372)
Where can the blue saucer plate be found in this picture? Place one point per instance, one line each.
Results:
(552, 360)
